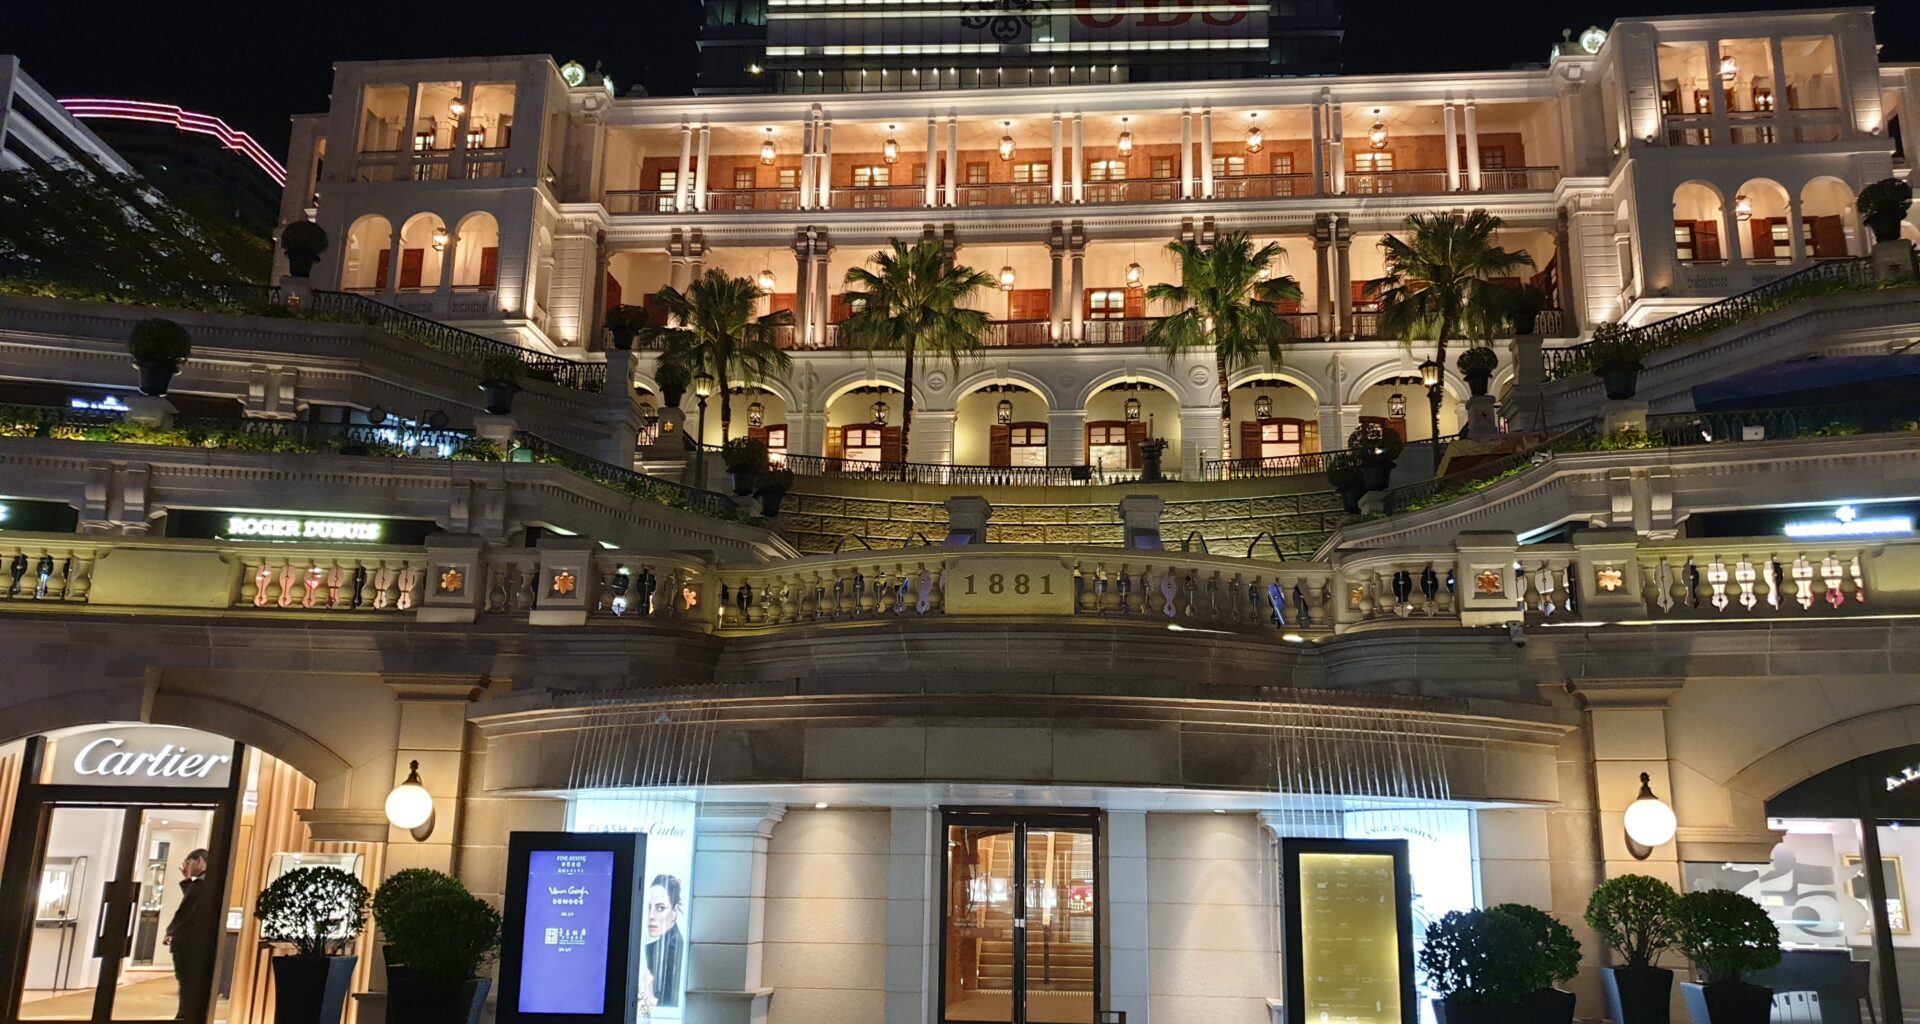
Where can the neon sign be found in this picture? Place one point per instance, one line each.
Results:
(183, 120)
(1909, 774)
(1846, 522)
(291, 528)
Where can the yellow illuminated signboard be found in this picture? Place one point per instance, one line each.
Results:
(1349, 932)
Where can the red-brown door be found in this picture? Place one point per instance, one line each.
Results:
(1706, 240)
(411, 262)
(489, 266)
(384, 266)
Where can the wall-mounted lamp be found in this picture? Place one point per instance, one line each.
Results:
(1649, 822)
(410, 806)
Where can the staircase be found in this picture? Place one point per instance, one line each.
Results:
(1052, 966)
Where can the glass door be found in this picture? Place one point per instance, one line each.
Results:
(1021, 938)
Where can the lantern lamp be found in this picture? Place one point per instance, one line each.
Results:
(766, 149)
(410, 806)
(1649, 822)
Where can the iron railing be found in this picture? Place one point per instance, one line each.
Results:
(1304, 464)
(667, 492)
(1819, 279)
(461, 344)
(1838, 420)
(398, 440)
(961, 476)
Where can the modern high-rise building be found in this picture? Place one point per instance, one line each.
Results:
(806, 46)
(36, 133)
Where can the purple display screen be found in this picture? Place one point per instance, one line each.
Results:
(563, 963)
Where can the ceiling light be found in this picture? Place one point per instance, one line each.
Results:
(1729, 69)
(890, 150)
(766, 148)
(456, 106)
(440, 238)
(1377, 135)
(1134, 275)
(1126, 140)
(1255, 137)
(1006, 279)
(1006, 142)
(1742, 208)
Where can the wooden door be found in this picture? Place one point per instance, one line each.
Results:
(1030, 304)
(890, 449)
(1760, 230)
(490, 266)
(1136, 435)
(1136, 307)
(613, 291)
(1706, 240)
(836, 443)
(1000, 445)
(1250, 447)
(411, 263)
(384, 267)
(1829, 237)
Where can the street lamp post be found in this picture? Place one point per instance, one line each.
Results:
(702, 387)
(1430, 376)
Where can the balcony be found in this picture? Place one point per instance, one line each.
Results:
(1044, 334)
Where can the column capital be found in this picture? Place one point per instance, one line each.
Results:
(750, 819)
(459, 689)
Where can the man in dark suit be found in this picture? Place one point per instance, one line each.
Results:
(192, 936)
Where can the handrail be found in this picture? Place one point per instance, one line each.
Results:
(1303, 464)
(845, 537)
(1831, 420)
(1400, 498)
(1187, 544)
(667, 492)
(1821, 278)
(462, 344)
(1272, 542)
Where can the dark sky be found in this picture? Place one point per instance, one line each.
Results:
(255, 62)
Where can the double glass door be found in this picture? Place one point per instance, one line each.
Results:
(107, 889)
(1021, 943)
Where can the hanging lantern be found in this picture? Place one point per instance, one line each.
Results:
(1134, 275)
(765, 281)
(1133, 410)
(1377, 135)
(1255, 137)
(1265, 273)
(1003, 413)
(1742, 208)
(1006, 142)
(456, 106)
(890, 150)
(1126, 140)
(1729, 69)
(1263, 407)
(1006, 279)
(440, 238)
(756, 415)
(766, 149)
(879, 411)
(1397, 406)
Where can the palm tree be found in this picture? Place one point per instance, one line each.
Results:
(1228, 299)
(910, 301)
(1438, 284)
(716, 334)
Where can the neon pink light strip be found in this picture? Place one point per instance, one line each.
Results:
(184, 120)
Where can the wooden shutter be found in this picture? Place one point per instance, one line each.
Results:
(1706, 240)
(613, 291)
(836, 443)
(1829, 236)
(1000, 445)
(411, 262)
(380, 275)
(490, 267)
(1136, 303)
(781, 302)
(1136, 435)
(1761, 229)
(757, 434)
(1309, 435)
(1029, 304)
(890, 445)
(839, 308)
(1249, 439)
(1360, 296)
(656, 312)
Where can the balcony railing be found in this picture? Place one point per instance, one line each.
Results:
(1018, 334)
(464, 345)
(960, 476)
(1303, 464)
(1840, 420)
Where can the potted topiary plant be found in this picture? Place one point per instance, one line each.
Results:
(500, 381)
(1153, 452)
(1490, 967)
(1634, 916)
(318, 911)
(625, 323)
(746, 459)
(399, 891)
(444, 939)
(1726, 934)
(1477, 364)
(1346, 478)
(1883, 205)
(673, 380)
(1376, 446)
(772, 487)
(159, 348)
(1615, 354)
(303, 241)
(1523, 305)
(1558, 962)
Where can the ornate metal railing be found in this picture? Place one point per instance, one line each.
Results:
(533, 448)
(1839, 420)
(465, 345)
(1819, 279)
(1304, 464)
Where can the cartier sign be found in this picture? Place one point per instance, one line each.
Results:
(140, 755)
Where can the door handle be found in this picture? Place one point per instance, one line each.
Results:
(1020, 923)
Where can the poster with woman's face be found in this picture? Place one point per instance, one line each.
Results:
(668, 891)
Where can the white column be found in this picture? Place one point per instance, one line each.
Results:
(933, 162)
(700, 175)
(399, 256)
(1186, 153)
(1079, 162)
(1733, 246)
(682, 185)
(806, 164)
(1058, 284)
(1782, 114)
(1718, 90)
(1128, 936)
(826, 166)
(1453, 147)
(1337, 150)
(1319, 148)
(1077, 298)
(953, 160)
(1059, 163)
(1206, 154)
(1473, 148)
(803, 292)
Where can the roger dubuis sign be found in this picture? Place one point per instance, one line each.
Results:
(140, 755)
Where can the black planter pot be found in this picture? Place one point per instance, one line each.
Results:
(1376, 474)
(425, 1001)
(1551, 1006)
(155, 378)
(623, 337)
(1446, 1011)
(1638, 995)
(671, 397)
(311, 989)
(498, 396)
(770, 503)
(1620, 381)
(1350, 501)
(1728, 1002)
(1477, 383)
(742, 482)
(302, 264)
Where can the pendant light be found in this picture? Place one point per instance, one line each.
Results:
(1729, 69)
(1377, 135)
(1132, 410)
(1006, 278)
(1003, 413)
(1134, 275)
(440, 238)
(1742, 208)
(890, 150)
(456, 106)
(765, 280)
(1126, 140)
(1006, 140)
(1255, 137)
(766, 148)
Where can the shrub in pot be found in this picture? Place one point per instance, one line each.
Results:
(1523, 305)
(1883, 205)
(1346, 478)
(444, 940)
(625, 323)
(318, 911)
(401, 890)
(1377, 446)
(159, 347)
(771, 488)
(1477, 364)
(500, 381)
(1634, 916)
(746, 459)
(303, 241)
(1726, 934)
(673, 380)
(1498, 966)
(1615, 355)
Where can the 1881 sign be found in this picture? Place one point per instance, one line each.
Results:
(1008, 585)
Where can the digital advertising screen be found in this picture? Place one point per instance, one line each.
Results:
(571, 945)
(1349, 924)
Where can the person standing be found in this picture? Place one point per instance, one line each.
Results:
(192, 938)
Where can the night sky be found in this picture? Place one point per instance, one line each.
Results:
(256, 62)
